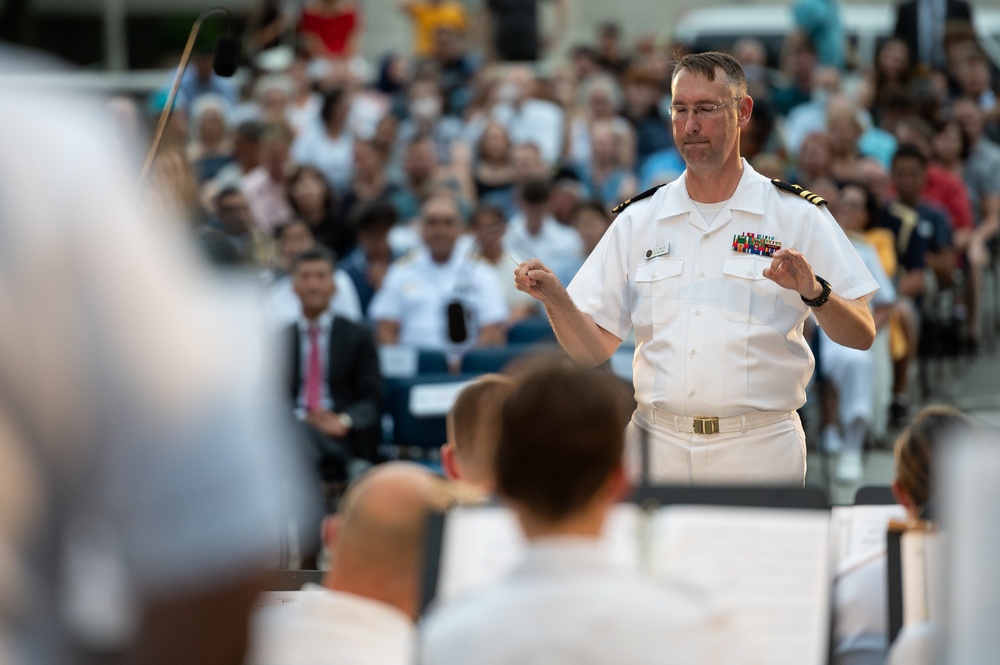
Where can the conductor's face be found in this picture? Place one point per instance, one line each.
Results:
(707, 117)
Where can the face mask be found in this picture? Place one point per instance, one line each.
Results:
(425, 108)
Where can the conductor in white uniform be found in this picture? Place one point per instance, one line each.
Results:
(716, 272)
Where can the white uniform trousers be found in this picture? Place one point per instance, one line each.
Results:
(774, 453)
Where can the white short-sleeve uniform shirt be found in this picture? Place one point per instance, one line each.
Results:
(417, 291)
(713, 335)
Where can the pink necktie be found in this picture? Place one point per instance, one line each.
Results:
(314, 372)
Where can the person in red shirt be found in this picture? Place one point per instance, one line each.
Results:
(332, 28)
(942, 188)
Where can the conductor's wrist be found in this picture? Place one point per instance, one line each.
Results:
(818, 299)
(814, 292)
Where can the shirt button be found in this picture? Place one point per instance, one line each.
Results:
(749, 273)
(707, 235)
(690, 393)
(697, 312)
(653, 275)
(701, 274)
(693, 353)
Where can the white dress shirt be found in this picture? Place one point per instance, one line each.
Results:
(554, 245)
(417, 290)
(324, 626)
(266, 199)
(567, 604)
(282, 306)
(713, 335)
(334, 157)
(534, 121)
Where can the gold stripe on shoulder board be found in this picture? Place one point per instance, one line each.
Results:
(814, 199)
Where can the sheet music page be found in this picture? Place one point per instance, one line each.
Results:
(482, 544)
(769, 567)
(858, 532)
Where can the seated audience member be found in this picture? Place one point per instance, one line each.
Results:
(473, 426)
(281, 305)
(494, 174)
(528, 118)
(210, 149)
(941, 187)
(440, 296)
(426, 116)
(559, 467)
(851, 372)
(234, 219)
(566, 193)
(363, 612)
(331, 29)
(333, 372)
(815, 159)
(641, 109)
(316, 203)
(422, 175)
(528, 162)
(488, 226)
(328, 143)
(860, 597)
(264, 186)
(590, 219)
(534, 233)
(427, 16)
(608, 180)
(930, 223)
(979, 172)
(246, 157)
(369, 182)
(370, 260)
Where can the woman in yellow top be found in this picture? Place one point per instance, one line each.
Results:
(428, 16)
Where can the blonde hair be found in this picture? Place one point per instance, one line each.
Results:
(474, 420)
(915, 445)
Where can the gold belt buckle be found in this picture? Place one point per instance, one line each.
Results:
(706, 425)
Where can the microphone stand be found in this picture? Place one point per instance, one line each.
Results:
(165, 113)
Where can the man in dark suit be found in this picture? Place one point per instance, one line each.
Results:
(333, 376)
(921, 24)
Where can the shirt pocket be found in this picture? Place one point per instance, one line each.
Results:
(748, 296)
(657, 285)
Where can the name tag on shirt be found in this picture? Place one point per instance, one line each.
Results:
(658, 251)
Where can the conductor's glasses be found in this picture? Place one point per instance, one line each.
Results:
(681, 112)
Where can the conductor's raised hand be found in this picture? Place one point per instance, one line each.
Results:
(537, 280)
(790, 270)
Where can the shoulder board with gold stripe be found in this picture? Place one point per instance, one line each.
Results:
(814, 199)
(638, 197)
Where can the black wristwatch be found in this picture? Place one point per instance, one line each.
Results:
(821, 299)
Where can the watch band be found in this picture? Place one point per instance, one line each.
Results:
(822, 298)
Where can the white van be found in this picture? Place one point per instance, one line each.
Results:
(865, 27)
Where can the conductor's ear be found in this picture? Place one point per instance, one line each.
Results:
(746, 110)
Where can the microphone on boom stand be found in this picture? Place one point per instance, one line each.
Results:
(224, 63)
